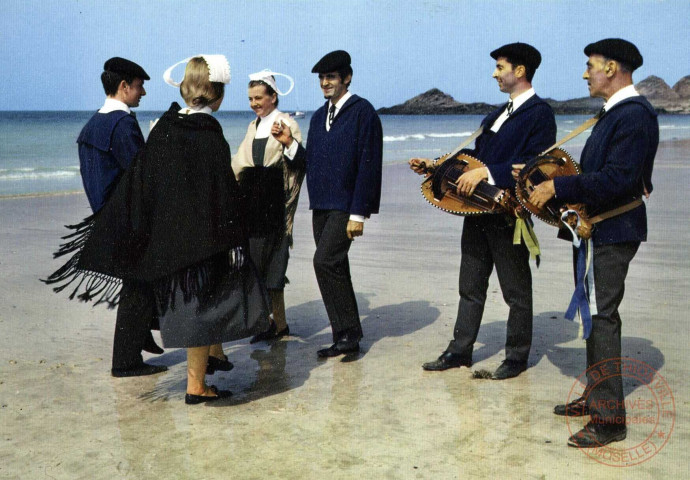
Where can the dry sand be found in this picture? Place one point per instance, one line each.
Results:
(62, 416)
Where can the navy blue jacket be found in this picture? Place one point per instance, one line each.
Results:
(617, 163)
(529, 131)
(107, 145)
(344, 164)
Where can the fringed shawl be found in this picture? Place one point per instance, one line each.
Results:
(177, 205)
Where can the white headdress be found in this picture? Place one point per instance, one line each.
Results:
(218, 68)
(269, 77)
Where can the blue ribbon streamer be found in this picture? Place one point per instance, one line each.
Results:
(580, 299)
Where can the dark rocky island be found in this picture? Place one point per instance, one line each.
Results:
(435, 102)
(665, 99)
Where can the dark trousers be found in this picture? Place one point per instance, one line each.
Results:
(606, 398)
(487, 241)
(332, 269)
(134, 316)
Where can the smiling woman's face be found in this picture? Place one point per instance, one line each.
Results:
(260, 101)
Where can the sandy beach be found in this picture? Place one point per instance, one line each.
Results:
(62, 416)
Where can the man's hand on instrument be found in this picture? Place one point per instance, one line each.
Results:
(542, 193)
(282, 133)
(354, 229)
(420, 166)
(517, 168)
(469, 180)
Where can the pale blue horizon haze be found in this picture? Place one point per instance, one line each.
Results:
(52, 52)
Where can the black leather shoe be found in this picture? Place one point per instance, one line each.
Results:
(447, 360)
(215, 363)
(270, 334)
(190, 399)
(597, 435)
(138, 370)
(341, 347)
(576, 408)
(151, 346)
(509, 369)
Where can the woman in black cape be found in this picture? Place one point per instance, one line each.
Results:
(175, 221)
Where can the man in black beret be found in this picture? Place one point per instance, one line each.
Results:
(344, 166)
(513, 133)
(617, 163)
(107, 145)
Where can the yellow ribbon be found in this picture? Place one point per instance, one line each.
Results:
(524, 232)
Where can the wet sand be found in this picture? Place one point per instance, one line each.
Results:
(62, 416)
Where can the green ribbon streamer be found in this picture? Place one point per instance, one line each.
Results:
(524, 232)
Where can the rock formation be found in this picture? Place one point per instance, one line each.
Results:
(435, 102)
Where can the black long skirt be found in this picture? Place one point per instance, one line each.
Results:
(211, 302)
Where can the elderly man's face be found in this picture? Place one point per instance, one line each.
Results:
(595, 74)
(332, 86)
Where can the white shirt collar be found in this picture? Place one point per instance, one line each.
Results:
(620, 95)
(112, 105)
(193, 110)
(522, 98)
(341, 102)
(264, 128)
(517, 103)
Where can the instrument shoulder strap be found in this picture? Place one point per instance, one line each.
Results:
(467, 141)
(616, 211)
(610, 213)
(573, 134)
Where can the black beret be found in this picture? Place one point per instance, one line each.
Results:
(125, 67)
(332, 61)
(616, 49)
(521, 53)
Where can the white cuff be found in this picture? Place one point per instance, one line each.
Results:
(489, 179)
(357, 218)
(291, 151)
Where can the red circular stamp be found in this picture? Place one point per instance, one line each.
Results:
(649, 411)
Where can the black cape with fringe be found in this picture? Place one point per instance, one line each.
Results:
(176, 207)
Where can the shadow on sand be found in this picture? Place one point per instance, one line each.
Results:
(266, 369)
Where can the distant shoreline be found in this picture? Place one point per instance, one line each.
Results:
(685, 143)
(58, 193)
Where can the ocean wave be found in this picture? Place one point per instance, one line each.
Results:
(402, 138)
(14, 174)
(422, 136)
(674, 127)
(449, 135)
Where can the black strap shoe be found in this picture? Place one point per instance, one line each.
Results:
(576, 408)
(270, 334)
(190, 399)
(447, 360)
(215, 363)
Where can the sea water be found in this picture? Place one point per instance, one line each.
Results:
(38, 150)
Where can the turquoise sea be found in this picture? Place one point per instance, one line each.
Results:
(38, 153)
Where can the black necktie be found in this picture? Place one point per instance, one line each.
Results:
(133, 114)
(258, 121)
(331, 114)
(601, 112)
(510, 108)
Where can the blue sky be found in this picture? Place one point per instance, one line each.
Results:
(52, 51)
